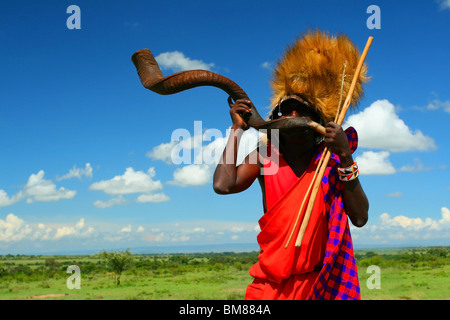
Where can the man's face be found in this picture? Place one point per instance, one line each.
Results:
(296, 108)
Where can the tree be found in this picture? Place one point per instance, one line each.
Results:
(118, 261)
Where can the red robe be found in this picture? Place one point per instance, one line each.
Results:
(288, 273)
(315, 270)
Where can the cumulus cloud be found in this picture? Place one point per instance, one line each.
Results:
(202, 231)
(192, 175)
(162, 152)
(39, 189)
(379, 127)
(371, 162)
(404, 229)
(6, 200)
(417, 224)
(157, 197)
(200, 154)
(117, 201)
(177, 61)
(126, 229)
(130, 182)
(57, 232)
(77, 173)
(14, 229)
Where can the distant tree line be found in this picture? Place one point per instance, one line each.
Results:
(25, 268)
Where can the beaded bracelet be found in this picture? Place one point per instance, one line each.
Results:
(349, 173)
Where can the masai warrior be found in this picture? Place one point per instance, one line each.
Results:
(308, 82)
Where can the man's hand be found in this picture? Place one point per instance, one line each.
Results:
(238, 109)
(355, 200)
(337, 142)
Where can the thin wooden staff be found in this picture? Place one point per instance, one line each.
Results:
(340, 119)
(319, 165)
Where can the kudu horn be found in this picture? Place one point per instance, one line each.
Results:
(153, 79)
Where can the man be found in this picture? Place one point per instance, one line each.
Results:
(308, 82)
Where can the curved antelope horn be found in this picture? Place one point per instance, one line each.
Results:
(152, 78)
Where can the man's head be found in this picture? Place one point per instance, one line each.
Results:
(312, 68)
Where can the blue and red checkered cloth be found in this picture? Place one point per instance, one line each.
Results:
(338, 279)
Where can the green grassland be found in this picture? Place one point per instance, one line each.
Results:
(412, 274)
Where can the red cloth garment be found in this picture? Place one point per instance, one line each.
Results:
(323, 267)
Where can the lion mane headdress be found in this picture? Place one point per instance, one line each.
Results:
(313, 68)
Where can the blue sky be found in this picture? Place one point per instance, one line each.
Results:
(85, 149)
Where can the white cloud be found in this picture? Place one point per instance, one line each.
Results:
(201, 160)
(192, 175)
(402, 229)
(417, 224)
(266, 65)
(379, 127)
(436, 104)
(77, 173)
(162, 152)
(202, 231)
(176, 61)
(64, 232)
(417, 167)
(13, 228)
(117, 201)
(187, 149)
(157, 197)
(371, 162)
(130, 182)
(126, 229)
(6, 200)
(39, 189)
(78, 230)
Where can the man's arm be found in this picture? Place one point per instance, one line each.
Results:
(355, 199)
(229, 178)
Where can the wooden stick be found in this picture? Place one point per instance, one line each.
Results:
(306, 197)
(348, 100)
(319, 165)
(341, 118)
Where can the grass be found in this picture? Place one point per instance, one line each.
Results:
(408, 274)
(423, 283)
(191, 286)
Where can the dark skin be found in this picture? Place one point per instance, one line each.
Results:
(297, 148)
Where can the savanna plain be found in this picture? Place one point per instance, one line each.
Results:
(399, 274)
